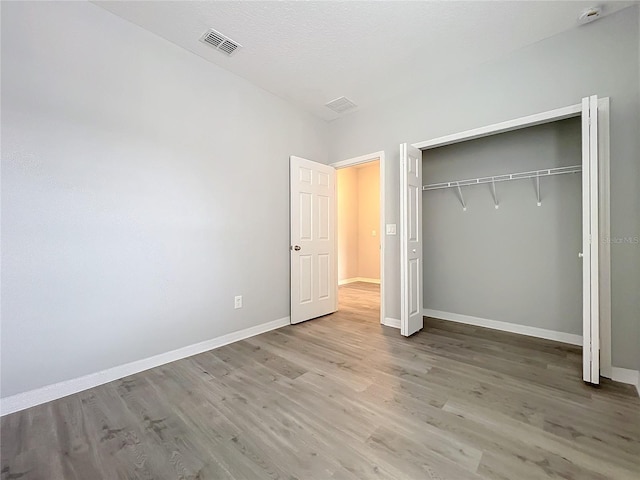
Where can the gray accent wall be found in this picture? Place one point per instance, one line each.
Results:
(142, 189)
(518, 263)
(599, 58)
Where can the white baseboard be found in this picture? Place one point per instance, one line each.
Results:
(506, 327)
(626, 375)
(358, 279)
(58, 390)
(392, 322)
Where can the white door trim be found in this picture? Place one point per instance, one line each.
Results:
(350, 162)
(590, 244)
(604, 197)
(606, 368)
(502, 127)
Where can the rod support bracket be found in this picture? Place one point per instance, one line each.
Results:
(496, 205)
(461, 197)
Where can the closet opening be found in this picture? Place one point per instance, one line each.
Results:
(502, 229)
(358, 203)
(510, 216)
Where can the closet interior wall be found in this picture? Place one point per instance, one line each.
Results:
(518, 263)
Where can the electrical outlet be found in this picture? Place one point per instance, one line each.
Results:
(238, 301)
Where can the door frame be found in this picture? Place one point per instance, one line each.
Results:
(350, 162)
(604, 222)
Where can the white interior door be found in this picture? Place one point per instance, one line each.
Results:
(314, 290)
(410, 240)
(590, 243)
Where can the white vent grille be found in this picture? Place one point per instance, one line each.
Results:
(228, 47)
(220, 42)
(341, 105)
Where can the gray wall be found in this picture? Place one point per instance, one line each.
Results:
(600, 58)
(142, 188)
(519, 263)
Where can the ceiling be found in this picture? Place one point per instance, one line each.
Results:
(312, 52)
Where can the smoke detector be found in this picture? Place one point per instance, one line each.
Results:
(590, 15)
(341, 105)
(220, 42)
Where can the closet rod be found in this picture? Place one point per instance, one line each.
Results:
(503, 178)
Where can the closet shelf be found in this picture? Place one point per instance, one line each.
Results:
(503, 178)
(536, 174)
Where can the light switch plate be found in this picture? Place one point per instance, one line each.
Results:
(391, 228)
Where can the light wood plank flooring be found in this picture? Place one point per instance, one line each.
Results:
(341, 397)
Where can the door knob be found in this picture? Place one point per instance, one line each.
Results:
(296, 248)
(580, 255)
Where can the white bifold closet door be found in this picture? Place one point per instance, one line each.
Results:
(314, 287)
(411, 319)
(590, 243)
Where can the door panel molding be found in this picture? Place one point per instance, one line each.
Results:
(590, 243)
(411, 293)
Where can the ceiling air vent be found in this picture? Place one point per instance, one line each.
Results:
(341, 105)
(220, 42)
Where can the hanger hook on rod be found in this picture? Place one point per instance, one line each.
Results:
(538, 190)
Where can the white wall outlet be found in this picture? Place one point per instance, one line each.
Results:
(238, 301)
(391, 228)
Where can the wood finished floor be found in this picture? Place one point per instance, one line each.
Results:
(341, 397)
